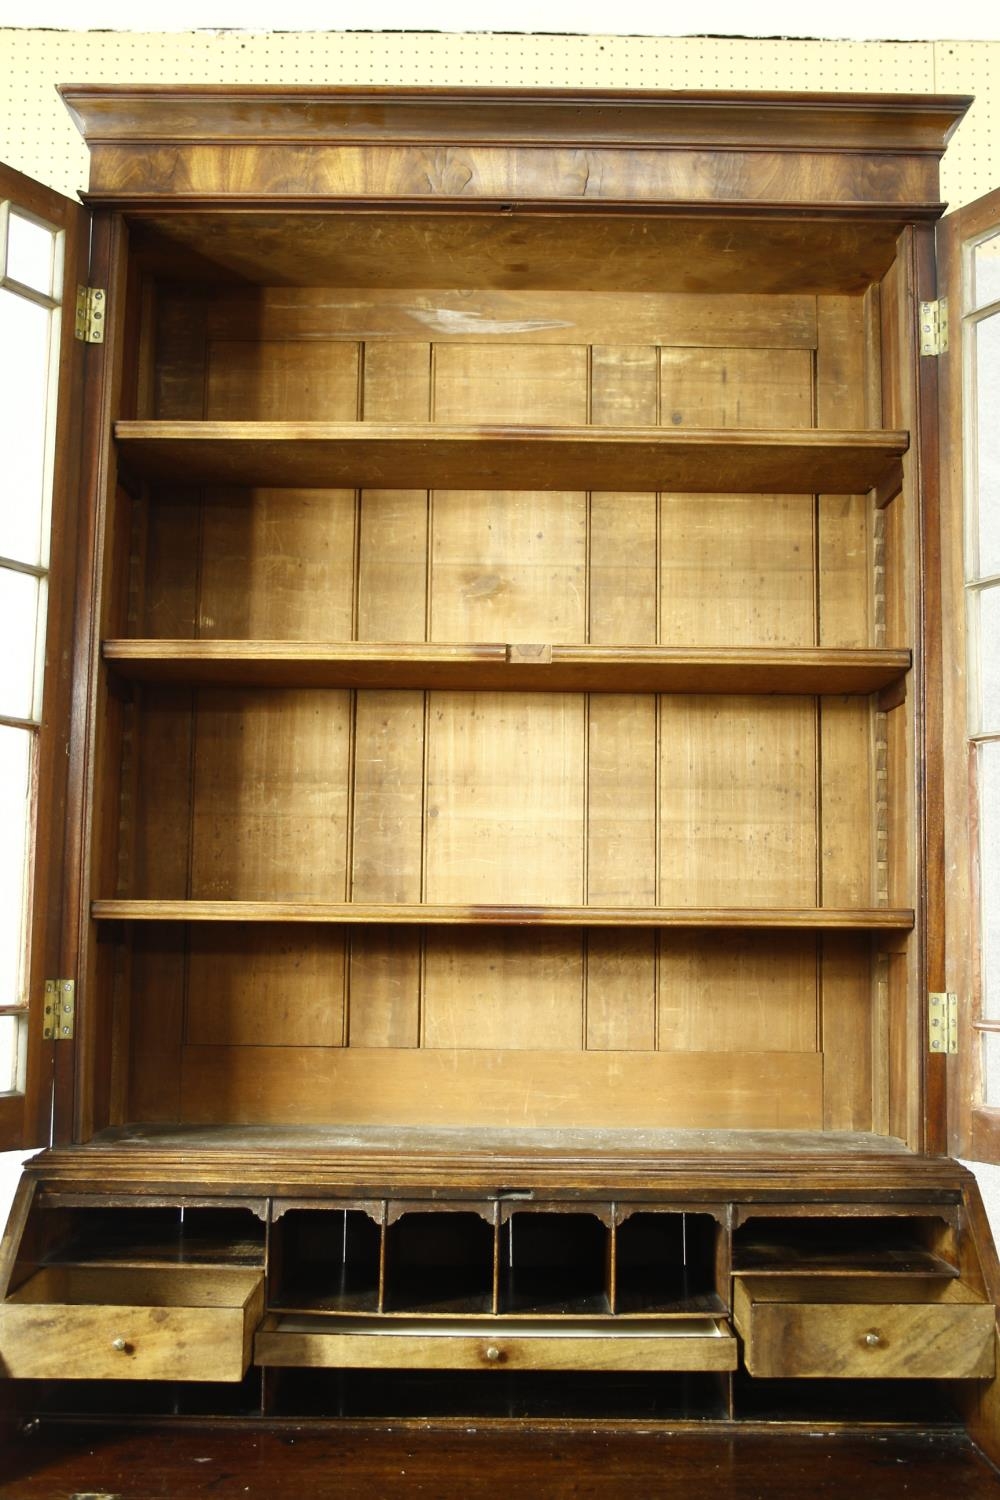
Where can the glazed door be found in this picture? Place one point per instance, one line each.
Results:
(44, 245)
(969, 278)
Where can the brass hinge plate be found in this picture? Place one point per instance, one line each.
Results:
(943, 1022)
(90, 310)
(60, 1010)
(934, 327)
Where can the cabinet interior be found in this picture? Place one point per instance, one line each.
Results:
(476, 905)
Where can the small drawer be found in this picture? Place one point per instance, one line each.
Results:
(123, 1323)
(849, 1327)
(520, 1344)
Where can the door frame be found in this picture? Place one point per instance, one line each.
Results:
(25, 1118)
(973, 1127)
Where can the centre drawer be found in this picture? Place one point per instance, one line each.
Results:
(848, 1327)
(128, 1323)
(515, 1344)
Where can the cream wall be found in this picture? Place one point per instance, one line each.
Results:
(37, 136)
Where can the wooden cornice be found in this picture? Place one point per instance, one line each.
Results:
(512, 146)
(567, 117)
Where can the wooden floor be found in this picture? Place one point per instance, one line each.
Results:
(375, 1461)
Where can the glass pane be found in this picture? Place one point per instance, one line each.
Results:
(30, 253)
(24, 379)
(19, 600)
(16, 754)
(987, 407)
(13, 1036)
(991, 1068)
(989, 659)
(989, 855)
(986, 272)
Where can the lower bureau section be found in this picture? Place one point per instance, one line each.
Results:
(514, 1344)
(444, 1298)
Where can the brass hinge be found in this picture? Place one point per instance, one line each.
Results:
(90, 308)
(60, 1010)
(943, 1022)
(934, 327)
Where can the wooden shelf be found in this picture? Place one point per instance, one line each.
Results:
(425, 456)
(865, 1261)
(356, 913)
(491, 667)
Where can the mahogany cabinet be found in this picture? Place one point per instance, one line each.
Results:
(502, 877)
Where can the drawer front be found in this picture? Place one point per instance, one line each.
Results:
(867, 1340)
(119, 1323)
(122, 1343)
(494, 1350)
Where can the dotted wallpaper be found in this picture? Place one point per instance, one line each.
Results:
(37, 136)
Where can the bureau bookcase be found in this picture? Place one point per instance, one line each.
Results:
(504, 876)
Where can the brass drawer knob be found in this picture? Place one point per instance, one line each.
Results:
(492, 1353)
(120, 1344)
(873, 1339)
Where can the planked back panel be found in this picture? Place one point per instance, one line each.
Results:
(536, 798)
(320, 794)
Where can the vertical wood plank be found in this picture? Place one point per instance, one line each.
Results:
(392, 567)
(910, 1105)
(847, 1033)
(621, 817)
(737, 801)
(737, 570)
(906, 755)
(397, 382)
(278, 565)
(282, 380)
(623, 572)
(736, 388)
(388, 796)
(179, 377)
(881, 1089)
(158, 980)
(161, 815)
(846, 583)
(901, 1050)
(115, 1074)
(899, 729)
(392, 580)
(509, 566)
(270, 799)
(873, 356)
(503, 989)
(621, 991)
(168, 606)
(841, 387)
(847, 812)
(623, 390)
(384, 991)
(842, 401)
(505, 789)
(738, 992)
(899, 854)
(265, 987)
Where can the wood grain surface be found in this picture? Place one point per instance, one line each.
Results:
(407, 1459)
(384, 455)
